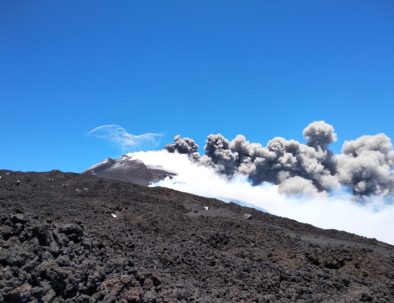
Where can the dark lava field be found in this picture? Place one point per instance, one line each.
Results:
(76, 238)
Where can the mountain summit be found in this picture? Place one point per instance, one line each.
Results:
(127, 169)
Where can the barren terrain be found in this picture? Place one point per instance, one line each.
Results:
(66, 237)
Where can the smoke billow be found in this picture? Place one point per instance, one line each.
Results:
(372, 218)
(319, 134)
(183, 146)
(365, 165)
(302, 181)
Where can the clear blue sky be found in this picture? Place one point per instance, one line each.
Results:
(260, 68)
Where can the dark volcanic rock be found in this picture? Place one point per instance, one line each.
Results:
(59, 242)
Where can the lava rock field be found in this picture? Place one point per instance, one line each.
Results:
(66, 237)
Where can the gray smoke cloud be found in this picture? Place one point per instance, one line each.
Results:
(183, 146)
(219, 154)
(365, 165)
(319, 134)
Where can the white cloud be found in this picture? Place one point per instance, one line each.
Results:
(374, 219)
(126, 141)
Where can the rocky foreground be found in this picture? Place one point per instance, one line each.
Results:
(77, 238)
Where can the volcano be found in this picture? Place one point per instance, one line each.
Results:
(67, 237)
(128, 169)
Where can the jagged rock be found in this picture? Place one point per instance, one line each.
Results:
(133, 294)
(49, 296)
(42, 234)
(20, 294)
(11, 257)
(18, 218)
(67, 248)
(72, 231)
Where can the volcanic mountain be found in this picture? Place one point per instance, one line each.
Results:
(128, 169)
(67, 237)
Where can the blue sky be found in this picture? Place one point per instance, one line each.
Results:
(259, 68)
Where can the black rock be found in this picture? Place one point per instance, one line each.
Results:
(72, 231)
(66, 247)
(18, 218)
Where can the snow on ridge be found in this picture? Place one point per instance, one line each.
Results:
(98, 164)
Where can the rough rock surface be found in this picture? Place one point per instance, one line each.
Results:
(76, 238)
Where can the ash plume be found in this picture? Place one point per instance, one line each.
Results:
(183, 146)
(319, 134)
(365, 165)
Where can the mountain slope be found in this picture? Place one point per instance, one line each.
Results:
(76, 238)
(127, 169)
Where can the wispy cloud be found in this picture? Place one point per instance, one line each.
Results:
(127, 142)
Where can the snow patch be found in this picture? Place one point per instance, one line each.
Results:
(98, 164)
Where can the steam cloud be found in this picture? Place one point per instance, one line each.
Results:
(373, 218)
(365, 165)
(302, 181)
